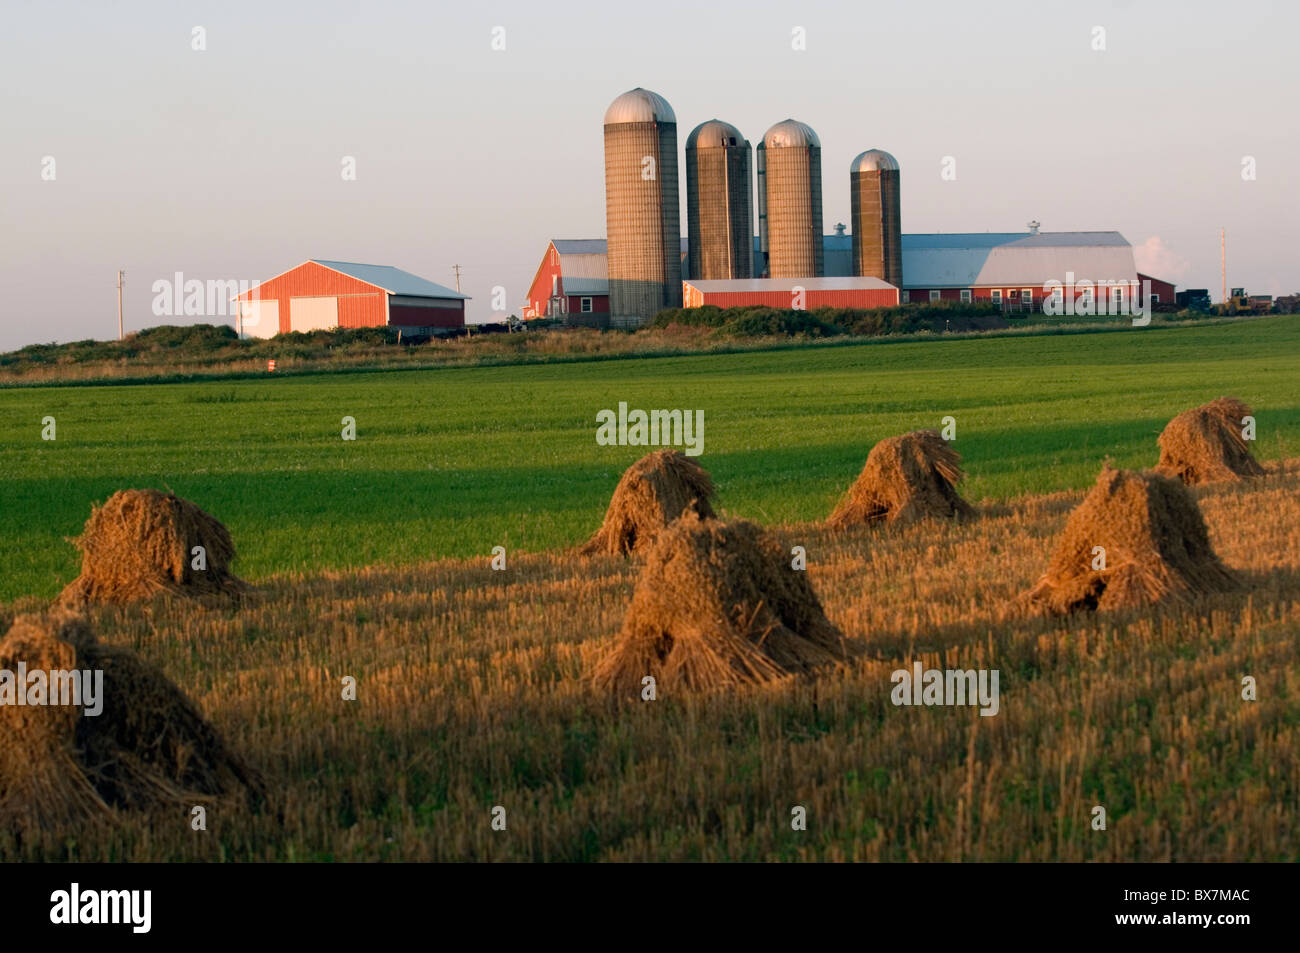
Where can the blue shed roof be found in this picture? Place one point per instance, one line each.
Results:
(393, 280)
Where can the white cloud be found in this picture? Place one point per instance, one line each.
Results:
(1158, 260)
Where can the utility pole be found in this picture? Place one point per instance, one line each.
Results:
(456, 269)
(120, 275)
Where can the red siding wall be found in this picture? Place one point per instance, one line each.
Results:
(858, 298)
(1162, 288)
(599, 303)
(355, 311)
(540, 291)
(922, 295)
(361, 305)
(418, 317)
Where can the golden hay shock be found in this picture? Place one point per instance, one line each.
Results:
(1206, 445)
(149, 747)
(1155, 541)
(906, 478)
(141, 543)
(653, 492)
(718, 605)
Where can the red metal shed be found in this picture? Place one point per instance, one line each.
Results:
(328, 294)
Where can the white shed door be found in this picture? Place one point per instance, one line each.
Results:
(260, 319)
(313, 314)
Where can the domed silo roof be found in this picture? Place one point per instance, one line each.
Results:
(713, 134)
(874, 160)
(790, 133)
(719, 203)
(639, 105)
(790, 166)
(875, 207)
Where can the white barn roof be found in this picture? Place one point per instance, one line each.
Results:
(1014, 258)
(582, 259)
(584, 265)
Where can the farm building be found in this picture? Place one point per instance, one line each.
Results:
(1007, 268)
(1162, 292)
(1015, 271)
(801, 293)
(573, 278)
(339, 294)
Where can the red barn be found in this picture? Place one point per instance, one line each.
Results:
(1162, 292)
(572, 279)
(339, 294)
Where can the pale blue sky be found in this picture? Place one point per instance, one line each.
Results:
(225, 163)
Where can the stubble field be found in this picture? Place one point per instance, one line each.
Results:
(471, 682)
(472, 695)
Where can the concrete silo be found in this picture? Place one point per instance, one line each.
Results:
(719, 202)
(877, 221)
(790, 212)
(642, 218)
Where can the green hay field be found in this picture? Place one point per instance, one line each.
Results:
(451, 462)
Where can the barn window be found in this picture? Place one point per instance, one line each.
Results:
(1027, 295)
(1155, 299)
(996, 295)
(965, 296)
(586, 304)
(907, 296)
(934, 296)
